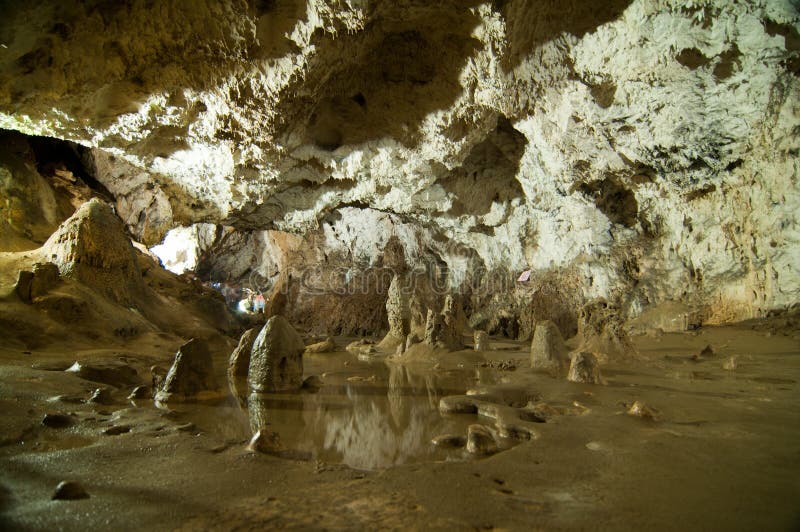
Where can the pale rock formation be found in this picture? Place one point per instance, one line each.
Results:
(33, 284)
(239, 362)
(91, 247)
(276, 360)
(328, 345)
(480, 440)
(635, 150)
(584, 368)
(601, 330)
(481, 341)
(398, 313)
(442, 329)
(191, 375)
(548, 351)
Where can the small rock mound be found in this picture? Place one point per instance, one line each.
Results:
(91, 247)
(480, 440)
(191, 374)
(69, 490)
(111, 372)
(265, 442)
(326, 346)
(276, 361)
(548, 351)
(584, 368)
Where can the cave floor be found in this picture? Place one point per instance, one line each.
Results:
(722, 454)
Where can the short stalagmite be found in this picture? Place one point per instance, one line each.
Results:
(276, 360)
(239, 362)
(548, 351)
(584, 368)
(191, 375)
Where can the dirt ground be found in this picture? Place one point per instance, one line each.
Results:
(721, 454)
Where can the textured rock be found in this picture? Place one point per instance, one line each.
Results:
(584, 368)
(265, 441)
(481, 341)
(113, 373)
(639, 148)
(239, 362)
(276, 361)
(191, 374)
(91, 247)
(325, 346)
(442, 330)
(641, 410)
(548, 351)
(31, 285)
(601, 329)
(449, 441)
(480, 440)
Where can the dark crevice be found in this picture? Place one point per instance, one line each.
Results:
(612, 199)
(488, 174)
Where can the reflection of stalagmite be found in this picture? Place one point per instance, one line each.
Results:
(257, 410)
(395, 395)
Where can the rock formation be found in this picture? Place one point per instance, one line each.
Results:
(632, 148)
(584, 368)
(325, 346)
(191, 375)
(36, 283)
(480, 440)
(239, 362)
(548, 351)
(276, 360)
(601, 330)
(442, 330)
(481, 341)
(91, 247)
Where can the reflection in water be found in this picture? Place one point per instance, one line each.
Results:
(367, 438)
(366, 425)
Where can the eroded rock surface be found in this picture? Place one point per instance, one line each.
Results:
(584, 368)
(601, 329)
(191, 375)
(548, 351)
(239, 362)
(587, 144)
(91, 247)
(276, 360)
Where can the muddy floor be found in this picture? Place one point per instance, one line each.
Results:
(718, 450)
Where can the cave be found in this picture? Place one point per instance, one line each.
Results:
(317, 265)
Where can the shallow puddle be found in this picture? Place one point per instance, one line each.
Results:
(368, 415)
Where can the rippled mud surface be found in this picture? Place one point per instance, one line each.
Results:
(715, 444)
